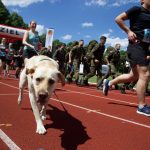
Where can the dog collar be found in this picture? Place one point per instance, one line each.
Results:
(45, 59)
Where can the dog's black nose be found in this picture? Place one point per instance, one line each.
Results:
(43, 95)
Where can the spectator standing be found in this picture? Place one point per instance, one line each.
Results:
(2, 55)
(9, 58)
(18, 61)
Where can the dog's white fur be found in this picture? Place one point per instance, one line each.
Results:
(42, 74)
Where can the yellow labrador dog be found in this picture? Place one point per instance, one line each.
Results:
(42, 74)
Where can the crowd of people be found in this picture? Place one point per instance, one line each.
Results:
(10, 59)
(70, 59)
(92, 57)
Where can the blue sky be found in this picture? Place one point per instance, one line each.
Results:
(75, 19)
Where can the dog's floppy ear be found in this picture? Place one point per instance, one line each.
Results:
(61, 78)
(30, 71)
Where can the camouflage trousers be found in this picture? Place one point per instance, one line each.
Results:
(94, 70)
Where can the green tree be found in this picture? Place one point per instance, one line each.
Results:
(69, 44)
(11, 19)
(4, 14)
(17, 21)
(56, 44)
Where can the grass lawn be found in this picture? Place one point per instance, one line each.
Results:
(93, 79)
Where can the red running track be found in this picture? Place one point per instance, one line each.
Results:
(82, 119)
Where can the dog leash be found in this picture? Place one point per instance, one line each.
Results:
(60, 102)
(36, 52)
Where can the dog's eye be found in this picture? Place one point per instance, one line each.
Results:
(51, 81)
(38, 79)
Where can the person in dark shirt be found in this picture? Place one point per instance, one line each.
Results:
(2, 55)
(9, 58)
(112, 59)
(59, 56)
(138, 52)
(18, 61)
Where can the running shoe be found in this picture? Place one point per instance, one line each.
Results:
(144, 111)
(105, 87)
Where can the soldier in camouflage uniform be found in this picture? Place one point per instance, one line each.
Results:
(87, 61)
(76, 55)
(87, 58)
(113, 59)
(96, 56)
(45, 51)
(59, 56)
(69, 66)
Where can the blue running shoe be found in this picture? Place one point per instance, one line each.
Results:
(144, 111)
(105, 87)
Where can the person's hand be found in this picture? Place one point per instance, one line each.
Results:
(49, 48)
(85, 58)
(132, 36)
(148, 58)
(69, 61)
(32, 47)
(96, 61)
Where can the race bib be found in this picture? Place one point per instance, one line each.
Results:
(105, 69)
(146, 36)
(81, 68)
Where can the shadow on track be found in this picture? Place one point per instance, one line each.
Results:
(119, 104)
(74, 132)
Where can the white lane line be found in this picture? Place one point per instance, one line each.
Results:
(93, 90)
(63, 92)
(9, 85)
(10, 94)
(103, 114)
(100, 97)
(8, 141)
(94, 111)
(111, 99)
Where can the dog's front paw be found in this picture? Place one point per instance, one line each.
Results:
(19, 100)
(40, 129)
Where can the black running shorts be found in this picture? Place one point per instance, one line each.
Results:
(137, 53)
